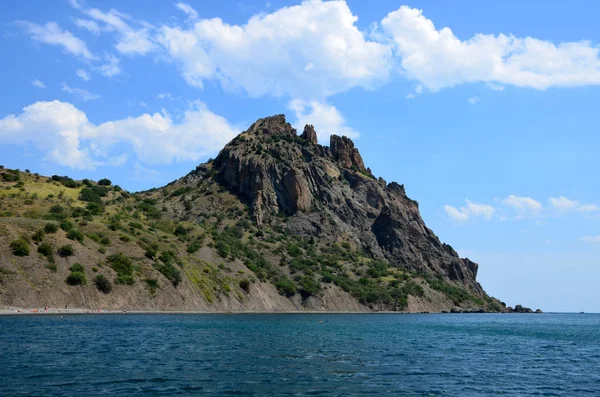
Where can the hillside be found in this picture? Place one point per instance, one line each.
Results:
(276, 222)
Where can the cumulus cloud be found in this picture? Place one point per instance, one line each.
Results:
(80, 93)
(83, 75)
(52, 34)
(38, 84)
(326, 119)
(307, 51)
(524, 206)
(563, 204)
(474, 100)
(588, 208)
(455, 214)
(65, 136)
(470, 210)
(438, 59)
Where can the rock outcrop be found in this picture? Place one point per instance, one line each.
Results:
(276, 171)
(309, 134)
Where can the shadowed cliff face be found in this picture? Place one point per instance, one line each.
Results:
(327, 193)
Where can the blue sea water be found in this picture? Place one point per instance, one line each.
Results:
(301, 355)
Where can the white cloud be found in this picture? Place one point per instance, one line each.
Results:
(53, 127)
(38, 84)
(88, 25)
(474, 100)
(525, 206)
(76, 4)
(438, 59)
(269, 54)
(187, 9)
(83, 75)
(80, 93)
(495, 87)
(326, 119)
(165, 95)
(111, 68)
(131, 41)
(52, 34)
(563, 204)
(410, 96)
(63, 133)
(591, 239)
(470, 210)
(455, 214)
(588, 208)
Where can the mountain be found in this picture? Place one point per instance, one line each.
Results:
(276, 222)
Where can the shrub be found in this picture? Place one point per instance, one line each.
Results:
(193, 247)
(104, 182)
(77, 267)
(20, 247)
(170, 272)
(245, 285)
(124, 280)
(150, 253)
(57, 209)
(152, 284)
(66, 251)
(74, 234)
(180, 231)
(167, 256)
(309, 286)
(120, 264)
(294, 250)
(93, 194)
(125, 239)
(105, 241)
(66, 226)
(94, 208)
(46, 250)
(38, 236)
(285, 286)
(52, 267)
(103, 284)
(50, 228)
(76, 278)
(65, 181)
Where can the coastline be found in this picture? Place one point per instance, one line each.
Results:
(17, 311)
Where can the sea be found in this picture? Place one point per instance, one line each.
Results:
(300, 355)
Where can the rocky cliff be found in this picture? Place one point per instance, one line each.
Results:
(276, 222)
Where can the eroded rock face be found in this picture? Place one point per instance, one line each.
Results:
(329, 194)
(309, 134)
(343, 150)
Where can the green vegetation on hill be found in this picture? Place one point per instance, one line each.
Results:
(192, 231)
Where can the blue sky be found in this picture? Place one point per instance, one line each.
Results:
(486, 111)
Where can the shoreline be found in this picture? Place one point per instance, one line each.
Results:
(17, 311)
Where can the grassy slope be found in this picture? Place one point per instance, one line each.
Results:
(189, 244)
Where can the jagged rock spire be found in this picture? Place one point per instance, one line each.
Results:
(309, 134)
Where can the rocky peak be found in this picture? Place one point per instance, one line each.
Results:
(343, 150)
(309, 134)
(274, 125)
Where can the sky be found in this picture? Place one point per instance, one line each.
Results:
(485, 111)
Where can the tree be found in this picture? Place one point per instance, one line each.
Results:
(104, 182)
